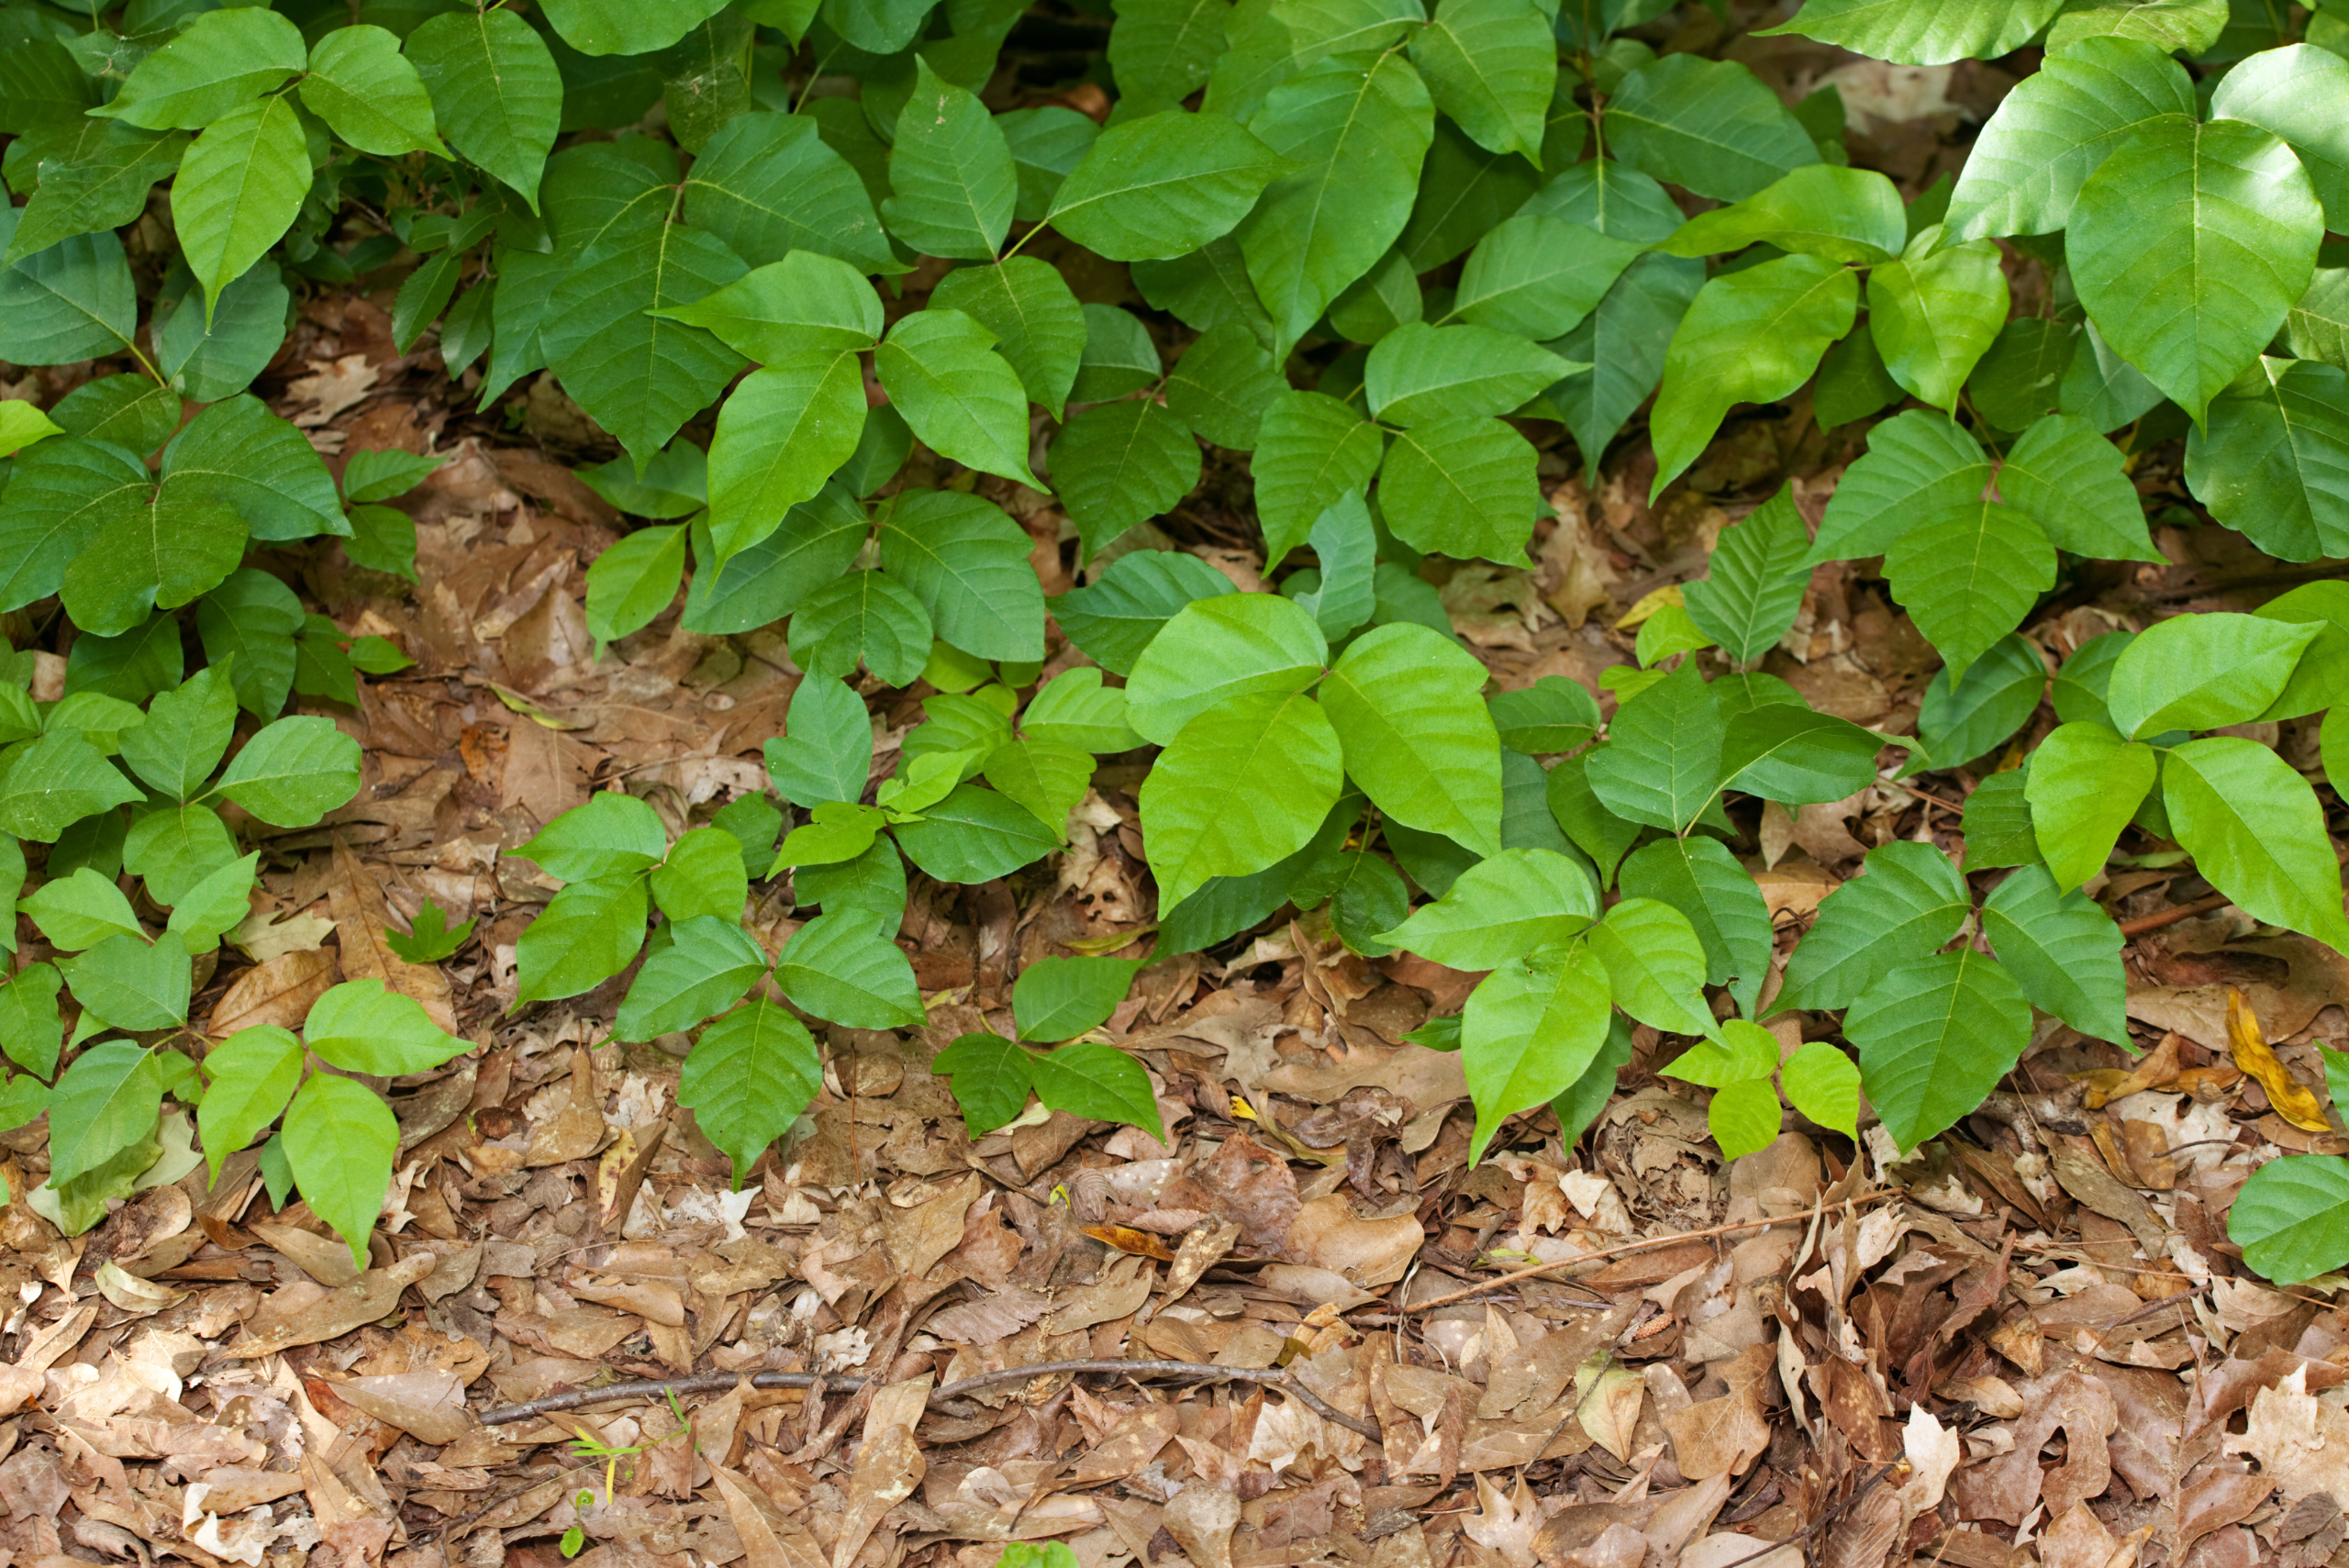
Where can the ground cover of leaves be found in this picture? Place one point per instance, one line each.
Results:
(2028, 1342)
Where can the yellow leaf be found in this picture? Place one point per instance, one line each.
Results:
(2293, 1100)
(1649, 602)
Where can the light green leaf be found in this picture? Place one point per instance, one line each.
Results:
(31, 1030)
(1113, 619)
(1311, 451)
(2291, 1218)
(156, 549)
(238, 188)
(1922, 32)
(94, 175)
(1100, 1082)
(1491, 65)
(495, 92)
(613, 835)
(627, 27)
(1842, 215)
(2056, 127)
(361, 85)
(1662, 763)
(1748, 598)
(2188, 247)
(1625, 340)
(1744, 1117)
(951, 171)
(253, 1074)
(1038, 324)
(1708, 124)
(2271, 459)
(1935, 1035)
(105, 1103)
(960, 398)
(1918, 465)
(1421, 373)
(2085, 785)
(1785, 753)
(220, 902)
(1909, 902)
(1506, 906)
(1823, 1084)
(1934, 312)
(1743, 1052)
(1656, 964)
(1242, 786)
(2070, 481)
(1554, 714)
(128, 984)
(217, 63)
(975, 835)
(634, 581)
(80, 911)
(1059, 998)
(1118, 464)
(782, 433)
(339, 1138)
(1164, 185)
(1417, 737)
(967, 563)
(816, 544)
(2316, 680)
(176, 848)
(1047, 776)
(364, 1026)
(844, 967)
(2064, 948)
(1699, 877)
(808, 301)
(239, 453)
(51, 784)
(2185, 27)
(2256, 832)
(1752, 336)
(294, 771)
(1218, 648)
(1538, 276)
(1074, 709)
(1997, 825)
(1165, 48)
(589, 932)
(866, 617)
(2317, 327)
(1528, 1031)
(1968, 576)
(1359, 126)
(1464, 487)
(748, 1078)
(2203, 671)
(2294, 92)
(703, 875)
(825, 753)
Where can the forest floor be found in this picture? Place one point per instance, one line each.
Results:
(2090, 1378)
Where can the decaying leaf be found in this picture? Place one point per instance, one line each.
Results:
(2293, 1100)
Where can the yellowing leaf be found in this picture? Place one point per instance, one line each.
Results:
(2293, 1100)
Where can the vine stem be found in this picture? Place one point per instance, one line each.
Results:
(719, 1382)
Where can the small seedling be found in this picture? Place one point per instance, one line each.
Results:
(431, 938)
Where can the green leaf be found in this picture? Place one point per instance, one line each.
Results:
(1311, 451)
(1656, 964)
(176, 850)
(1662, 763)
(1417, 738)
(2271, 459)
(1491, 65)
(703, 875)
(105, 1103)
(837, 831)
(294, 771)
(1529, 1029)
(31, 1028)
(613, 835)
(806, 302)
(1968, 576)
(240, 453)
(1744, 1117)
(748, 1078)
(634, 581)
(2188, 27)
(369, 93)
(130, 411)
(1935, 1035)
(98, 178)
(1752, 336)
(874, 880)
(186, 735)
(1699, 877)
(844, 967)
(1708, 124)
(2317, 679)
(1884, 923)
(1934, 312)
(1465, 193)
(1505, 906)
(1359, 126)
(1060, 998)
(1119, 355)
(588, 933)
(126, 984)
(626, 26)
(1118, 464)
(155, 549)
(1167, 183)
(2291, 1218)
(363, 1027)
(951, 171)
(967, 563)
(1100, 1082)
(1038, 324)
(1113, 619)
(867, 617)
(1538, 276)
(2064, 948)
(975, 835)
(2256, 832)
(81, 910)
(214, 66)
(960, 398)
(2288, 92)
(1047, 143)
(1748, 598)
(47, 785)
(2056, 127)
(2102, 388)
(1462, 487)
(2188, 247)
(824, 755)
(1554, 714)
(430, 939)
(1219, 648)
(2317, 327)
(782, 433)
(1224, 384)
(990, 1079)
(640, 376)
(2070, 481)
(1242, 784)
(339, 1138)
(1998, 824)
(1625, 339)
(1421, 373)
(2085, 785)
(1165, 48)
(2019, 377)
(1842, 215)
(253, 1074)
(238, 188)
(816, 544)
(1961, 721)
(1823, 1084)
(1076, 709)
(1047, 776)
(1918, 465)
(1785, 753)
(767, 185)
(495, 92)
(2204, 671)
(1922, 32)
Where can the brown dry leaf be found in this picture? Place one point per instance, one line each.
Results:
(1202, 1249)
(304, 1314)
(1201, 1518)
(2006, 1488)
(887, 1470)
(1130, 1445)
(428, 1405)
(1370, 1253)
(277, 991)
(326, 1258)
(360, 920)
(2293, 1100)
(574, 1131)
(1609, 1407)
(1505, 1523)
(1716, 1436)
(265, 935)
(768, 1540)
(2089, 1183)
(1125, 1239)
(2301, 1443)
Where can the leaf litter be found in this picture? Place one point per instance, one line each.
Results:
(1328, 1339)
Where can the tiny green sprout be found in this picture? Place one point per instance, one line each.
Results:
(431, 938)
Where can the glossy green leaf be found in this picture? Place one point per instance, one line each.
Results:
(825, 752)
(1420, 372)
(1416, 735)
(2085, 785)
(1100, 1082)
(294, 771)
(126, 984)
(1218, 647)
(963, 400)
(1465, 487)
(1823, 1084)
(2271, 459)
(634, 581)
(975, 835)
(1909, 902)
(1156, 187)
(1748, 598)
(990, 1078)
(1918, 465)
(2292, 93)
(1662, 763)
(1935, 1035)
(1528, 1031)
(1962, 720)
(783, 432)
(1922, 32)
(1060, 998)
(1491, 65)
(2062, 949)
(495, 92)
(217, 63)
(1751, 337)
(1538, 276)
(364, 1026)
(767, 185)
(51, 784)
(371, 95)
(1968, 576)
(748, 1078)
(2256, 832)
(1625, 340)
(951, 173)
(864, 617)
(253, 1074)
(1311, 451)
(2203, 671)
(1242, 784)
(1038, 324)
(1113, 619)
(613, 835)
(1842, 215)
(588, 933)
(844, 967)
(967, 563)
(1934, 312)
(1118, 464)
(2291, 1218)
(1708, 124)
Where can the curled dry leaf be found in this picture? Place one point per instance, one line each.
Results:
(2293, 1100)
